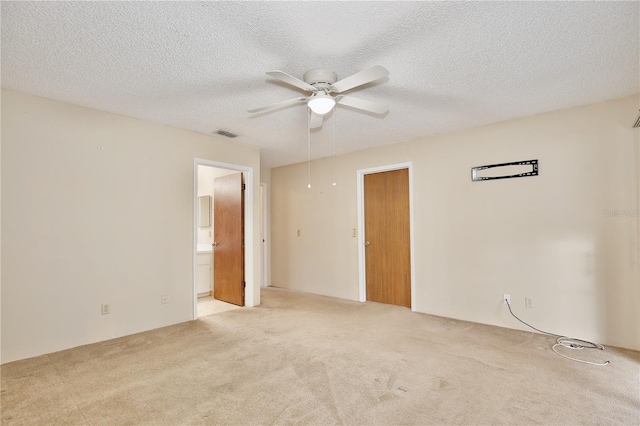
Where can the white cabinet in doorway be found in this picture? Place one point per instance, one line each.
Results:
(203, 272)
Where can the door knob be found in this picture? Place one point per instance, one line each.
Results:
(367, 243)
(214, 244)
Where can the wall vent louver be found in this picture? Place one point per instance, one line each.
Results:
(637, 123)
(226, 133)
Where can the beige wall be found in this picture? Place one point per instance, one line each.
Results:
(97, 208)
(548, 237)
(265, 175)
(265, 178)
(0, 240)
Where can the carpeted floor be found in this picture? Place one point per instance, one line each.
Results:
(305, 359)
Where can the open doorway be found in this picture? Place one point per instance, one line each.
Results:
(211, 222)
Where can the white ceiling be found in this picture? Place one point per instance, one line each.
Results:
(201, 65)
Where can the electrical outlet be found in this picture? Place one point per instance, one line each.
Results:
(354, 233)
(104, 309)
(506, 298)
(528, 303)
(164, 299)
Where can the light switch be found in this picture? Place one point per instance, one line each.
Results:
(298, 232)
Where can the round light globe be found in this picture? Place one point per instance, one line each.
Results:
(321, 104)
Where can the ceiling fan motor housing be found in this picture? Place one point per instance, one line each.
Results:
(320, 78)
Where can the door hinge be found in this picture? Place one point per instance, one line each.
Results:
(244, 186)
(244, 284)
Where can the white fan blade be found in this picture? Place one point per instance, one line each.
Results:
(289, 79)
(360, 78)
(374, 107)
(279, 104)
(315, 121)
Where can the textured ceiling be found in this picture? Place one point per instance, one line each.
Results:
(201, 65)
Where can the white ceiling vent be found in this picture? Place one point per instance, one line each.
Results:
(225, 133)
(637, 123)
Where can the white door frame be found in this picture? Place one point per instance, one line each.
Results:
(248, 228)
(362, 274)
(264, 280)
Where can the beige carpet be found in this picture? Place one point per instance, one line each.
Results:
(304, 359)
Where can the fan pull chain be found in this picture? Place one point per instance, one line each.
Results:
(333, 139)
(309, 149)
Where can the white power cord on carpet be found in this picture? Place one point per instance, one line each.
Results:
(567, 342)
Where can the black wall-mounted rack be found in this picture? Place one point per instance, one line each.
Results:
(532, 163)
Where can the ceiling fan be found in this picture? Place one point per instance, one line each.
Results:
(323, 84)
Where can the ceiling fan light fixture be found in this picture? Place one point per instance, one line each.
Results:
(321, 103)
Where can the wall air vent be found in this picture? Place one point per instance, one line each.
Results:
(635, 126)
(225, 133)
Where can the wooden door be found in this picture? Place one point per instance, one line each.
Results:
(228, 237)
(387, 237)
